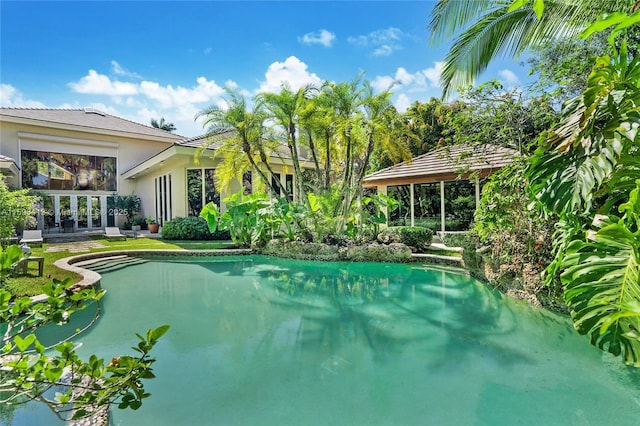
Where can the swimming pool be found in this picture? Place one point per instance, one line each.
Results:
(264, 341)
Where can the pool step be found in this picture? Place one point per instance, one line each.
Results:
(112, 263)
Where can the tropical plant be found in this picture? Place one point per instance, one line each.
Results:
(285, 108)
(374, 208)
(15, 208)
(163, 125)
(486, 29)
(191, 228)
(129, 205)
(245, 218)
(241, 136)
(30, 371)
(588, 170)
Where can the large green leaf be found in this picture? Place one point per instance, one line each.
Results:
(602, 283)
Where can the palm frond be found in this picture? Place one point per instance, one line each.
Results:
(493, 30)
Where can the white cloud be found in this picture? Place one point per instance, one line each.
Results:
(141, 101)
(509, 77)
(169, 96)
(384, 42)
(323, 37)
(403, 76)
(208, 50)
(99, 84)
(292, 71)
(12, 97)
(434, 73)
(384, 50)
(403, 102)
(409, 87)
(118, 69)
(382, 83)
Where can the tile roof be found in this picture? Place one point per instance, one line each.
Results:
(4, 158)
(447, 160)
(197, 141)
(89, 118)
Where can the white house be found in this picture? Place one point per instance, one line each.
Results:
(81, 158)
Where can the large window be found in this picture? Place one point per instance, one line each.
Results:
(201, 189)
(57, 171)
(426, 205)
(460, 204)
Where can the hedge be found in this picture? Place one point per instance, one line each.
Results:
(191, 228)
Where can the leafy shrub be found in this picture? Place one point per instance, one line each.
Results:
(140, 221)
(416, 236)
(412, 236)
(191, 228)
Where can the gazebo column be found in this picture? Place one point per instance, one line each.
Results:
(477, 192)
(442, 218)
(411, 198)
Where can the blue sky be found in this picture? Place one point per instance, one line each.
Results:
(152, 59)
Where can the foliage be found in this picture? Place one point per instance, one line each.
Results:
(130, 205)
(590, 165)
(602, 279)
(29, 369)
(286, 217)
(373, 210)
(9, 257)
(563, 67)
(413, 236)
(340, 125)
(139, 221)
(163, 125)
(245, 218)
(15, 208)
(242, 136)
(190, 228)
(504, 117)
(518, 235)
(485, 30)
(588, 168)
(416, 236)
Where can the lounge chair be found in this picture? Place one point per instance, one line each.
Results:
(32, 238)
(113, 233)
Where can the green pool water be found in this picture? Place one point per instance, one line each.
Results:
(264, 341)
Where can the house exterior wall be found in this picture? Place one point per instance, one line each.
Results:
(176, 167)
(128, 151)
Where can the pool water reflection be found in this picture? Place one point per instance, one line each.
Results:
(264, 341)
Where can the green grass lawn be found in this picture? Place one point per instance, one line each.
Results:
(30, 284)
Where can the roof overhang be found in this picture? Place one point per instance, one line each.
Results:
(8, 166)
(428, 178)
(157, 161)
(78, 128)
(443, 164)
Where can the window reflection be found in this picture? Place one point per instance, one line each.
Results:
(53, 170)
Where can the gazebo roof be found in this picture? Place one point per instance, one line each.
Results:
(446, 163)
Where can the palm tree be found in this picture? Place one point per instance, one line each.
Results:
(240, 131)
(486, 29)
(285, 108)
(163, 125)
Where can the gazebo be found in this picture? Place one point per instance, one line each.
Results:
(440, 189)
